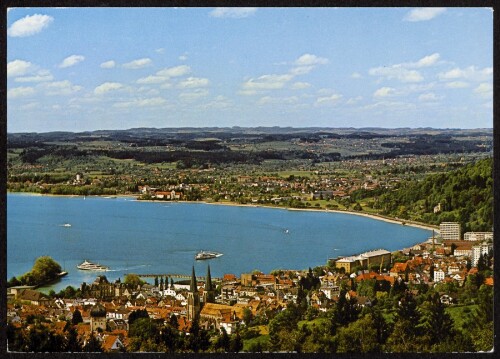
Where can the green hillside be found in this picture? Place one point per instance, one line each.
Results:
(465, 195)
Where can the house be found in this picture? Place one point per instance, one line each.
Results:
(221, 316)
(112, 344)
(33, 296)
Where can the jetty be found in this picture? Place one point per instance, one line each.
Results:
(174, 275)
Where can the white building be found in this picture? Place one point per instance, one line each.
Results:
(478, 236)
(438, 275)
(483, 248)
(450, 231)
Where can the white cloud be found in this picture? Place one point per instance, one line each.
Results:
(329, 100)
(484, 90)
(193, 95)
(61, 88)
(267, 82)
(174, 71)
(384, 92)
(165, 74)
(194, 82)
(20, 92)
(161, 50)
(405, 72)
(428, 97)
(300, 85)
(183, 58)
(469, 73)
(219, 103)
(29, 25)
(40, 76)
(428, 60)
(267, 100)
(30, 106)
(424, 14)
(301, 70)
(396, 72)
(71, 61)
(106, 87)
(233, 12)
(137, 64)
(147, 102)
(108, 64)
(354, 100)
(149, 80)
(356, 75)
(457, 84)
(310, 60)
(18, 68)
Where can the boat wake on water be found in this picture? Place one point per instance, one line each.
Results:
(128, 268)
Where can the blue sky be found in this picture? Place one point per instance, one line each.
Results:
(76, 69)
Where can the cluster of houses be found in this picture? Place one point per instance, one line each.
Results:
(105, 306)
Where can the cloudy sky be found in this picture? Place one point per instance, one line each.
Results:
(77, 69)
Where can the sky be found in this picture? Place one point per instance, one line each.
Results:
(81, 69)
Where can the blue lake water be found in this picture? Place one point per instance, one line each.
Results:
(131, 236)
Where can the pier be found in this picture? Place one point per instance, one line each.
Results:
(176, 275)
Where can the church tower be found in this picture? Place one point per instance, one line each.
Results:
(193, 298)
(209, 293)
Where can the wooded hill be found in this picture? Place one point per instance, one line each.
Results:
(465, 195)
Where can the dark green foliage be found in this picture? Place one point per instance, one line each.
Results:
(223, 342)
(236, 343)
(77, 317)
(73, 343)
(466, 196)
(93, 344)
(44, 270)
(435, 323)
(137, 314)
(198, 340)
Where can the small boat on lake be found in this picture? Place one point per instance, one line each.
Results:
(86, 265)
(207, 255)
(66, 225)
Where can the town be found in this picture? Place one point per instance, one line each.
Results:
(241, 313)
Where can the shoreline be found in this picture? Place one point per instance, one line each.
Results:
(409, 223)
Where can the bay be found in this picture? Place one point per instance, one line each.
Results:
(131, 236)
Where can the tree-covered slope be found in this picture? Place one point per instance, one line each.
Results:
(465, 195)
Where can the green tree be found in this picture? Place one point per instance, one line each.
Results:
(73, 342)
(358, 337)
(77, 317)
(223, 341)
(133, 280)
(435, 322)
(236, 343)
(137, 314)
(93, 345)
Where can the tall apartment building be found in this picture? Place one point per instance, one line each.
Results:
(450, 231)
(483, 248)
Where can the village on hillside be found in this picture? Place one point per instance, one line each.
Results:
(104, 309)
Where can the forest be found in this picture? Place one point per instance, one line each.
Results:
(465, 195)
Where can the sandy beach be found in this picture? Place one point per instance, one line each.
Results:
(368, 215)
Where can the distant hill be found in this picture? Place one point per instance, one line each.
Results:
(465, 195)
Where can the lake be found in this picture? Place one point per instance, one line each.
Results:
(132, 236)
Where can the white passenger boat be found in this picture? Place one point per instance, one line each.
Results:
(207, 255)
(86, 265)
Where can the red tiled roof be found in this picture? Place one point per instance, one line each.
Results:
(489, 281)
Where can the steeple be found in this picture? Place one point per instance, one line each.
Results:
(193, 299)
(208, 285)
(193, 287)
(208, 293)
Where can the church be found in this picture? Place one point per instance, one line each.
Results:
(209, 313)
